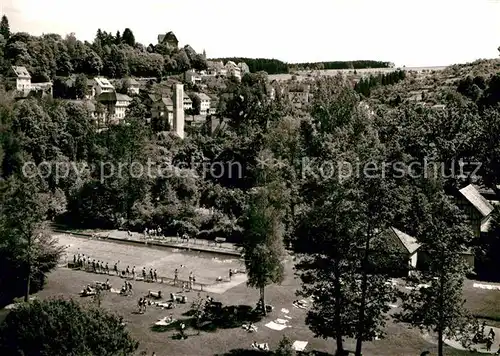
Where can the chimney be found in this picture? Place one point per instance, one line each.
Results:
(179, 110)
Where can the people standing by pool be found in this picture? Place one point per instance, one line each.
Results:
(176, 276)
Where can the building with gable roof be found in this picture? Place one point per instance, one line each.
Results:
(133, 86)
(21, 77)
(102, 85)
(115, 106)
(233, 70)
(478, 211)
(163, 109)
(403, 247)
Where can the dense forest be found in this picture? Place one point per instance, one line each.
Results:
(275, 66)
(364, 85)
(111, 55)
(360, 64)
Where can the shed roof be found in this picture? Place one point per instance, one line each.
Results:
(477, 200)
(409, 242)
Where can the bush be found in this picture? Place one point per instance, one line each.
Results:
(60, 328)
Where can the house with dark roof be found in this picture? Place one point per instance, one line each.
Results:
(169, 39)
(115, 104)
(478, 211)
(163, 109)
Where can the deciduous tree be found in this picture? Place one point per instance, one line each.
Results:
(263, 241)
(64, 328)
(440, 307)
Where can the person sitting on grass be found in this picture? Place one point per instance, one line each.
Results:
(262, 347)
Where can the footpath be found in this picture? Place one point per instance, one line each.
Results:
(134, 238)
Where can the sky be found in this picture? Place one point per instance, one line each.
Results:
(406, 32)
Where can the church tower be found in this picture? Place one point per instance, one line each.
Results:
(179, 110)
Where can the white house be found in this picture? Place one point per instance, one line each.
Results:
(102, 85)
(213, 108)
(243, 68)
(233, 70)
(116, 105)
(192, 77)
(163, 108)
(132, 86)
(122, 102)
(204, 103)
(22, 78)
(188, 103)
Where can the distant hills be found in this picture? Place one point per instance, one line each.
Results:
(275, 66)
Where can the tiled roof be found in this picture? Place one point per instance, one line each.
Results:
(107, 97)
(409, 242)
(21, 71)
(167, 101)
(187, 99)
(477, 200)
(132, 81)
(203, 96)
(103, 82)
(153, 97)
(123, 97)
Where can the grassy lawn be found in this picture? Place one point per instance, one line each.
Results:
(228, 339)
(484, 304)
(224, 341)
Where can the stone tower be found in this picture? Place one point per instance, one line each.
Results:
(179, 110)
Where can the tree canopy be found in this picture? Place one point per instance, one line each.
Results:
(63, 328)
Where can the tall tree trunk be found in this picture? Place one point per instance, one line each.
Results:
(263, 301)
(28, 277)
(338, 323)
(440, 342)
(441, 321)
(364, 287)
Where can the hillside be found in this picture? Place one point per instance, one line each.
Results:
(275, 66)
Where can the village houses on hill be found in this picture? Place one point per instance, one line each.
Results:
(217, 68)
